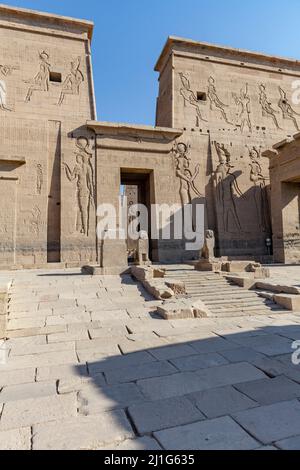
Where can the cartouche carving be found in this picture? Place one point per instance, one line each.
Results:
(39, 178)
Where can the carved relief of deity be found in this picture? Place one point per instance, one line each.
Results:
(215, 102)
(266, 105)
(41, 81)
(243, 101)
(260, 194)
(83, 174)
(186, 175)
(287, 111)
(71, 85)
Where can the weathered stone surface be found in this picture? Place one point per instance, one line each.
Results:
(41, 360)
(25, 413)
(242, 355)
(217, 434)
(221, 401)
(268, 391)
(16, 439)
(163, 414)
(83, 433)
(272, 423)
(166, 353)
(183, 308)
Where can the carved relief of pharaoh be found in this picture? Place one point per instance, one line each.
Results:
(226, 187)
(190, 98)
(71, 85)
(83, 174)
(41, 81)
(215, 102)
(243, 102)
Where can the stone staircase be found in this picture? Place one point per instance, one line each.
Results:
(221, 296)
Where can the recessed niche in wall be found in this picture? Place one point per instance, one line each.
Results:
(55, 77)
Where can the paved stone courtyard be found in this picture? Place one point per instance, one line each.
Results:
(91, 366)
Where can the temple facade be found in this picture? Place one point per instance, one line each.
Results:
(218, 110)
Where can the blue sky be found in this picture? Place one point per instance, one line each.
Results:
(130, 34)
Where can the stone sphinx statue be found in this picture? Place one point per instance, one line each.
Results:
(208, 250)
(142, 253)
(208, 261)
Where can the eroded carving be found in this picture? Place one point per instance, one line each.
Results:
(71, 85)
(226, 186)
(266, 105)
(287, 111)
(39, 178)
(83, 174)
(41, 81)
(5, 70)
(243, 101)
(260, 194)
(215, 102)
(190, 98)
(185, 174)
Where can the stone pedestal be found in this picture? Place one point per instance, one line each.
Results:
(209, 265)
(113, 256)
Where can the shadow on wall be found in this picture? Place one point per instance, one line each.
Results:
(213, 390)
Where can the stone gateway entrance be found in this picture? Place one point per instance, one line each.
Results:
(218, 110)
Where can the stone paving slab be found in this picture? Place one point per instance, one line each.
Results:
(199, 361)
(163, 414)
(221, 401)
(273, 422)
(26, 413)
(94, 398)
(138, 372)
(270, 345)
(27, 391)
(143, 443)
(15, 377)
(83, 433)
(40, 360)
(293, 443)
(19, 439)
(242, 355)
(268, 391)
(65, 371)
(112, 363)
(217, 434)
(186, 383)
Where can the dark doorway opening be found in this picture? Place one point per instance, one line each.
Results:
(137, 186)
(54, 193)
